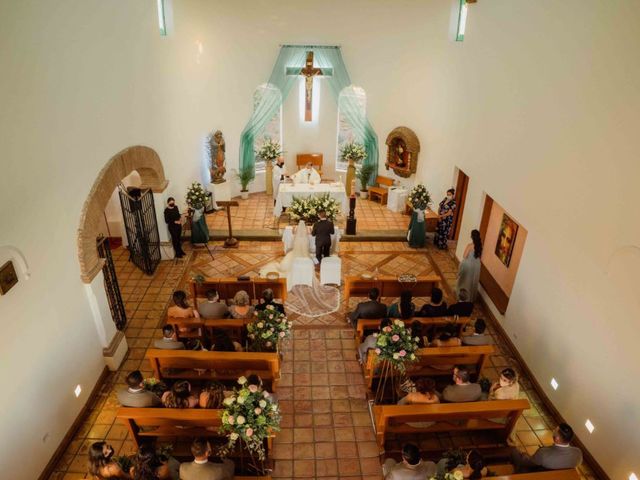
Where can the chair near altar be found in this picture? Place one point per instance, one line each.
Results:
(315, 158)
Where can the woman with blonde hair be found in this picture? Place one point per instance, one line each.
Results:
(241, 307)
(507, 387)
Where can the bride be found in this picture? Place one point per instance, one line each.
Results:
(300, 250)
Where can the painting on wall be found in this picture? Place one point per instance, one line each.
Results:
(506, 239)
(8, 277)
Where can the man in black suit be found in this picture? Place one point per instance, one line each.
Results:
(369, 309)
(463, 308)
(322, 230)
(174, 222)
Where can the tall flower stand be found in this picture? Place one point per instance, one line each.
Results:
(199, 229)
(389, 379)
(417, 229)
(268, 177)
(351, 175)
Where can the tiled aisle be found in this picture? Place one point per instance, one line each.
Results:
(326, 430)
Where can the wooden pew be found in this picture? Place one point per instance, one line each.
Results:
(235, 327)
(449, 417)
(426, 357)
(227, 287)
(371, 325)
(389, 286)
(566, 474)
(218, 365)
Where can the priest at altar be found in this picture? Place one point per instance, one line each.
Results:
(307, 175)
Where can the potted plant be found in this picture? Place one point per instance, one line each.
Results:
(353, 153)
(364, 175)
(245, 175)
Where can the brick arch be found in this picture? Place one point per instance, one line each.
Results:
(142, 159)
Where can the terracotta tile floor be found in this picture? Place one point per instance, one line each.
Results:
(257, 213)
(326, 429)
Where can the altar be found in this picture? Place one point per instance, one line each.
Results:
(288, 191)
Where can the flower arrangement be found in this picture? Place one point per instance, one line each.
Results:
(269, 327)
(307, 209)
(154, 385)
(250, 415)
(419, 197)
(353, 151)
(396, 345)
(270, 150)
(196, 196)
(457, 475)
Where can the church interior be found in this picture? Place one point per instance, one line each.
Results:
(279, 239)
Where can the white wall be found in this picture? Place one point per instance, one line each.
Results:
(538, 106)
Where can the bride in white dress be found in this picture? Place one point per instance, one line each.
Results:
(300, 250)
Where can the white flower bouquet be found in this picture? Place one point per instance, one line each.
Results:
(270, 150)
(196, 196)
(396, 345)
(307, 209)
(419, 197)
(250, 415)
(353, 151)
(267, 329)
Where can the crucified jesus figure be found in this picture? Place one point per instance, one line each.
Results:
(309, 72)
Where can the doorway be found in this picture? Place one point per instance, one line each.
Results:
(462, 185)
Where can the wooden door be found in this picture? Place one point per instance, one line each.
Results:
(462, 184)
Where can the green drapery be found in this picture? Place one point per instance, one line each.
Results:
(294, 56)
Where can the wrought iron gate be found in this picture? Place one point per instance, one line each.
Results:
(116, 305)
(141, 224)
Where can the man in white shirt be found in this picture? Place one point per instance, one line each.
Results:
(306, 175)
(278, 176)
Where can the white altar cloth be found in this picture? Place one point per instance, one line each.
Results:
(397, 198)
(287, 240)
(302, 190)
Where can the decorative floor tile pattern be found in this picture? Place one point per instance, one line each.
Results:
(326, 429)
(256, 213)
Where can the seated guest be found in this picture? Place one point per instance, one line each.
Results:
(147, 464)
(404, 309)
(212, 307)
(201, 468)
(267, 299)
(169, 340)
(412, 466)
(448, 337)
(559, 456)
(462, 390)
(463, 307)
(221, 342)
(416, 332)
(473, 468)
(181, 309)
(370, 341)
(479, 336)
(372, 308)
(135, 394)
(436, 306)
(507, 387)
(179, 396)
(425, 393)
(241, 307)
(101, 464)
(212, 395)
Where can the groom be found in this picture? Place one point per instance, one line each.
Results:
(322, 230)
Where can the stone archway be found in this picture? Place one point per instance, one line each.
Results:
(142, 159)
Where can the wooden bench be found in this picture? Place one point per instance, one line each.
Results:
(372, 324)
(198, 327)
(566, 474)
(218, 365)
(449, 417)
(227, 287)
(379, 191)
(389, 286)
(428, 357)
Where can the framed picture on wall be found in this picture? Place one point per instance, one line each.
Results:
(506, 239)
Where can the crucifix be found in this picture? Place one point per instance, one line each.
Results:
(309, 72)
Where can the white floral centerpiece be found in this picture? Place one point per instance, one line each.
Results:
(307, 209)
(353, 151)
(268, 328)
(457, 475)
(419, 197)
(396, 345)
(196, 196)
(249, 415)
(270, 150)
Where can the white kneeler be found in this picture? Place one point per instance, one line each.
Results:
(302, 273)
(331, 271)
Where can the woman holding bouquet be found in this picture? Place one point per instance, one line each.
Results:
(446, 210)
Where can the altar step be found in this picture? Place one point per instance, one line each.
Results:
(276, 235)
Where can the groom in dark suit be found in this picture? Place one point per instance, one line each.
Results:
(322, 230)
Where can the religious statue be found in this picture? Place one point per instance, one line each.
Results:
(216, 147)
(403, 147)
